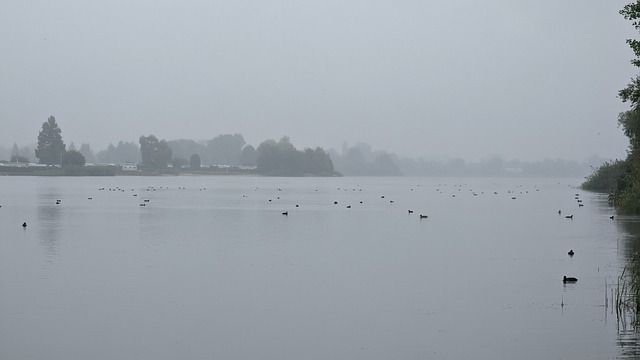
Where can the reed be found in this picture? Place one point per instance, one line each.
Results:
(627, 299)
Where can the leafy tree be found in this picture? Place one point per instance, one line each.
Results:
(627, 193)
(385, 165)
(248, 156)
(73, 158)
(194, 162)
(632, 92)
(225, 149)
(124, 152)
(267, 156)
(27, 152)
(185, 148)
(156, 154)
(50, 145)
(606, 176)
(317, 162)
(282, 159)
(85, 150)
(178, 162)
(355, 163)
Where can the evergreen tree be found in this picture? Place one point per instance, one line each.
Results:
(50, 148)
(15, 151)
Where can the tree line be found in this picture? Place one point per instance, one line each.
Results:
(153, 154)
(281, 158)
(622, 177)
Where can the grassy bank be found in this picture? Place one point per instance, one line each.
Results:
(56, 171)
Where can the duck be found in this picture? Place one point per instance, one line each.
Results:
(24, 224)
(569, 216)
(285, 213)
(569, 280)
(423, 216)
(571, 252)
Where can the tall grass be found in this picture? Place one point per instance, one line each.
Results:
(627, 298)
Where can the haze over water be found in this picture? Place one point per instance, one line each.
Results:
(210, 268)
(433, 80)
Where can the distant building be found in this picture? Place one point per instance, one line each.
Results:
(129, 167)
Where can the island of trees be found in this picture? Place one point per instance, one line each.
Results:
(227, 154)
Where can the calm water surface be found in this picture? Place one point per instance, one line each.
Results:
(211, 269)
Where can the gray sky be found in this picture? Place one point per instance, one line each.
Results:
(434, 79)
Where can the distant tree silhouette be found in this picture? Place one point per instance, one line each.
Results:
(50, 145)
(73, 158)
(184, 148)
(248, 156)
(225, 149)
(124, 152)
(156, 154)
(194, 162)
(282, 159)
(85, 150)
(19, 159)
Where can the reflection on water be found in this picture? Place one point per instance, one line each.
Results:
(629, 344)
(220, 273)
(627, 297)
(49, 221)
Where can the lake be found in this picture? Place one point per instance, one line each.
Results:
(209, 268)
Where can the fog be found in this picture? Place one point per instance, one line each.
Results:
(437, 80)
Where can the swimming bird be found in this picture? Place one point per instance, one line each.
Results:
(286, 213)
(423, 216)
(611, 217)
(571, 252)
(559, 212)
(410, 211)
(24, 224)
(569, 217)
(569, 280)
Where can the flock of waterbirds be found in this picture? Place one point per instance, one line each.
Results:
(570, 279)
(512, 194)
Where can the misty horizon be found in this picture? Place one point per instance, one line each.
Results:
(592, 159)
(439, 81)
